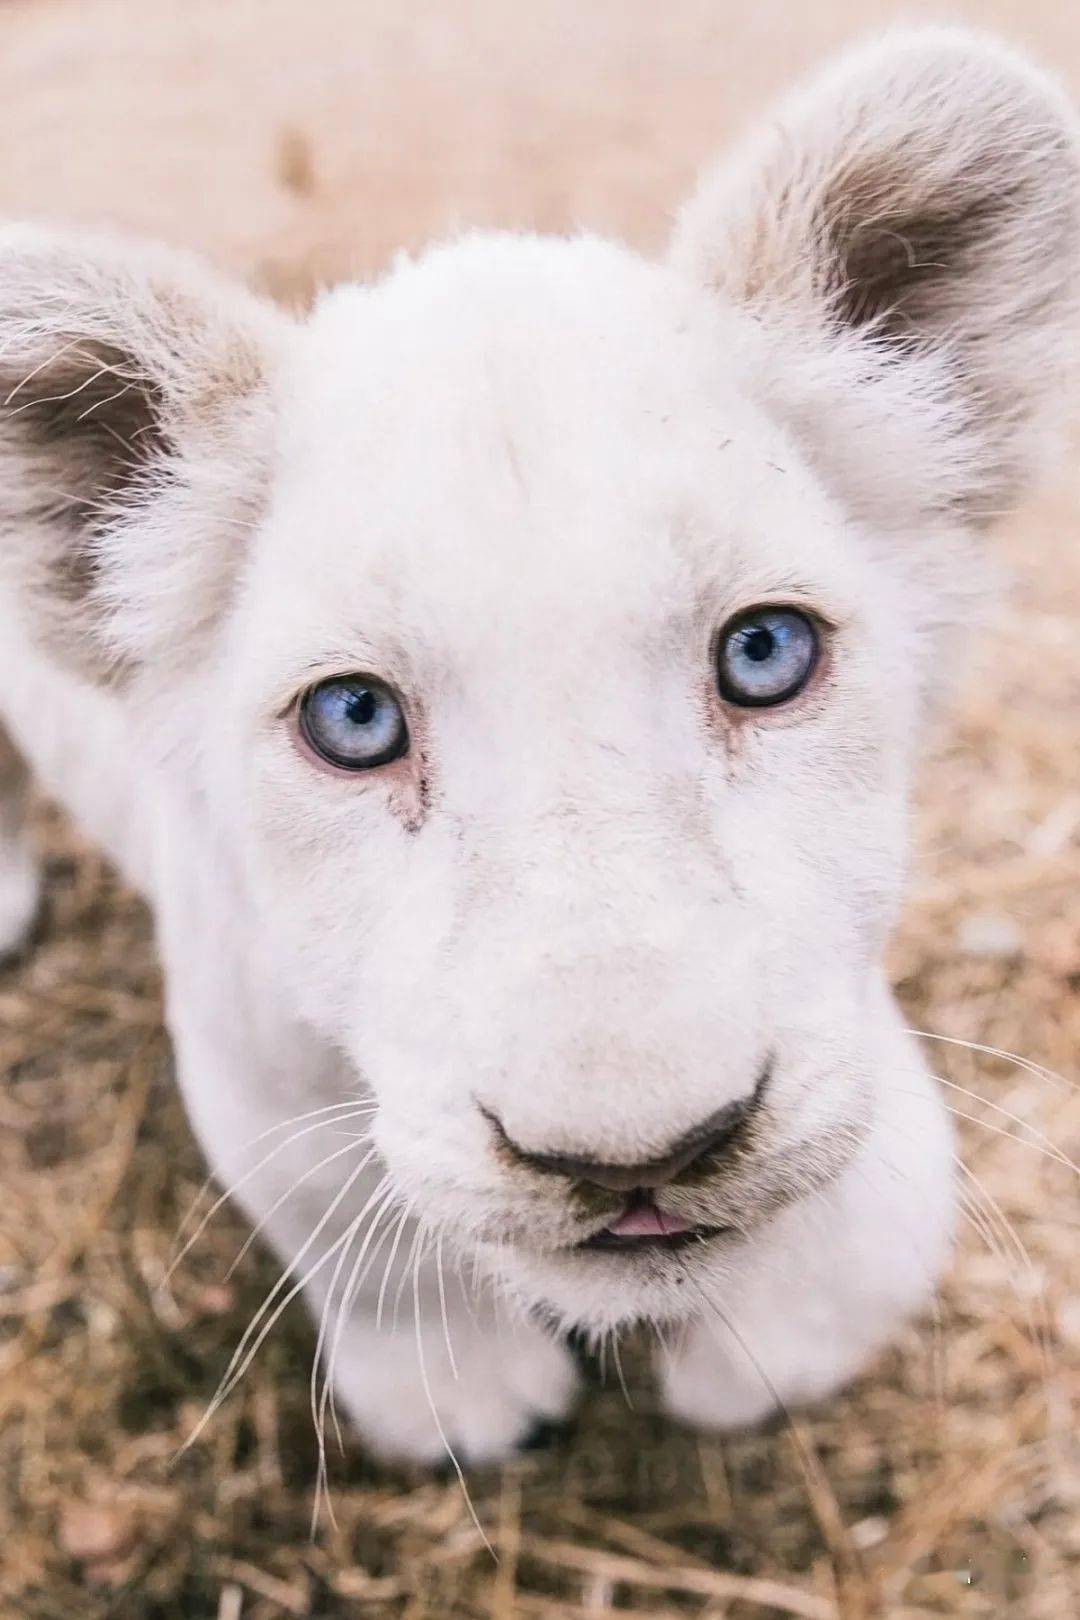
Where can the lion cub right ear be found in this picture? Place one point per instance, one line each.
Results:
(910, 223)
(136, 414)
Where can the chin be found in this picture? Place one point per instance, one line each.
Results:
(598, 1289)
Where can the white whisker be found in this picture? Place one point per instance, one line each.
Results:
(389, 1267)
(242, 1356)
(1038, 1318)
(352, 1287)
(1053, 1154)
(448, 1448)
(324, 1321)
(232, 1377)
(441, 1280)
(1039, 1070)
(235, 1187)
(1016, 1119)
(1038, 1135)
(617, 1358)
(411, 1259)
(282, 1198)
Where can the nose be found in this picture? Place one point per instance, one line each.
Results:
(711, 1138)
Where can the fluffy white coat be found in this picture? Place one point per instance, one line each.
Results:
(525, 482)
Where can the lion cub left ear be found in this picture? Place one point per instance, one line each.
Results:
(135, 419)
(908, 226)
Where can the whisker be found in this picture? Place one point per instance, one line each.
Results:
(617, 1359)
(1048, 1151)
(989, 1222)
(976, 1219)
(1039, 1070)
(447, 1447)
(1053, 1154)
(338, 1153)
(658, 1329)
(805, 1461)
(1034, 1131)
(412, 1260)
(441, 1280)
(352, 1288)
(324, 1322)
(235, 1187)
(229, 1383)
(242, 1356)
(355, 1105)
(389, 1266)
(1034, 1303)
(1016, 1119)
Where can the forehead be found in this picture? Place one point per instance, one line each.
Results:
(514, 427)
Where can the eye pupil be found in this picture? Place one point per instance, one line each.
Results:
(360, 707)
(765, 656)
(759, 645)
(353, 722)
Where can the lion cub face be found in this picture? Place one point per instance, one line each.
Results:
(573, 736)
(546, 634)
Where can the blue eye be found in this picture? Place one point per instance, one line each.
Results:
(353, 722)
(765, 656)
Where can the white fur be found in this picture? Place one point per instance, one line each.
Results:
(525, 481)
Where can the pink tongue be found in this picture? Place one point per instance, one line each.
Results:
(645, 1220)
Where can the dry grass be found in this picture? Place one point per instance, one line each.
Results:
(946, 1484)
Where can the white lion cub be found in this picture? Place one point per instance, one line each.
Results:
(504, 684)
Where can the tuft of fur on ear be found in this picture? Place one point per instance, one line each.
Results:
(134, 427)
(909, 224)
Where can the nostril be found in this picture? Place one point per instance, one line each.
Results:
(711, 1138)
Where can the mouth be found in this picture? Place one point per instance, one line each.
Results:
(643, 1226)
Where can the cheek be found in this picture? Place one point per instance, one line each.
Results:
(359, 907)
(817, 848)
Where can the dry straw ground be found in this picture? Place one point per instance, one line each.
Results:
(293, 141)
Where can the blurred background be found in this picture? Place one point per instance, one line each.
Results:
(298, 143)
